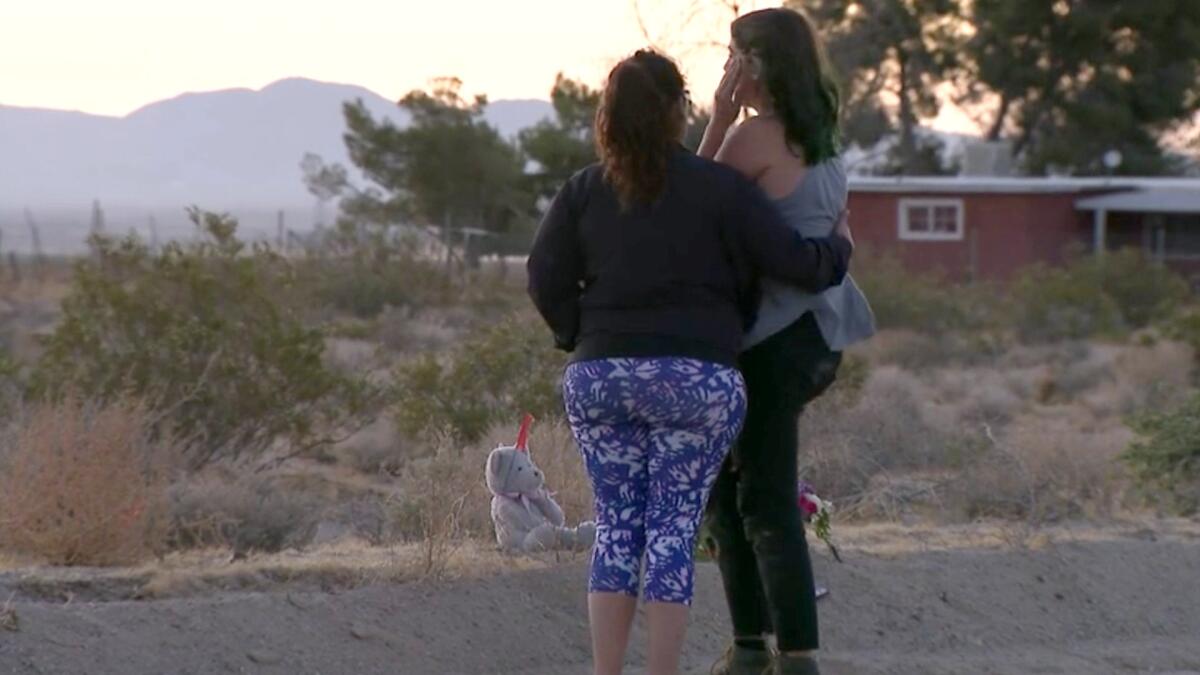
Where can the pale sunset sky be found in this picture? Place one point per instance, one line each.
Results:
(113, 56)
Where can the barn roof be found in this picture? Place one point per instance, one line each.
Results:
(1152, 200)
(1022, 185)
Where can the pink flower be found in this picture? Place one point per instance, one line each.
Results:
(808, 502)
(809, 505)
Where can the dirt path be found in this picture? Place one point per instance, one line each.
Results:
(1124, 603)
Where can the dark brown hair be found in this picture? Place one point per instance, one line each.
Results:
(638, 123)
(797, 75)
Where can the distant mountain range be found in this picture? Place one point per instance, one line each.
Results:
(234, 149)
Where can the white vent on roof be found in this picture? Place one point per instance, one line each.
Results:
(987, 158)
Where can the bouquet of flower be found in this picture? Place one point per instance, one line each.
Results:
(818, 513)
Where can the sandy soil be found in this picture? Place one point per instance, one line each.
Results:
(1118, 600)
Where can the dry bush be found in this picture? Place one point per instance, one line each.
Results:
(85, 484)
(975, 396)
(248, 514)
(990, 402)
(1153, 376)
(889, 429)
(376, 449)
(443, 499)
(920, 351)
(406, 331)
(442, 502)
(1068, 374)
(1044, 469)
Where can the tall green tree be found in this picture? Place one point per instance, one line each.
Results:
(448, 168)
(565, 144)
(900, 50)
(1073, 79)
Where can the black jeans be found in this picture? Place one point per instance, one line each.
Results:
(753, 517)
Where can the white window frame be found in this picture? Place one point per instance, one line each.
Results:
(960, 223)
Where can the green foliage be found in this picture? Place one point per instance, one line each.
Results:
(203, 332)
(898, 48)
(1064, 81)
(1166, 457)
(566, 144)
(1185, 327)
(1145, 291)
(362, 270)
(901, 298)
(10, 382)
(1073, 80)
(1054, 303)
(8, 367)
(495, 374)
(448, 168)
(1093, 296)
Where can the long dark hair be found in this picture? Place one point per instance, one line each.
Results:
(637, 124)
(797, 75)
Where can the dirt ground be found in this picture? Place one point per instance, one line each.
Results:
(1123, 599)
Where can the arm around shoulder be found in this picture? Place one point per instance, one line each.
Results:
(777, 251)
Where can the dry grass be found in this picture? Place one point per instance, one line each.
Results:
(247, 514)
(1046, 469)
(8, 616)
(1032, 438)
(443, 500)
(85, 484)
(439, 504)
(347, 564)
(376, 449)
(1158, 375)
(892, 428)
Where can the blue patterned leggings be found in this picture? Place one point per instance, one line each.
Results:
(653, 433)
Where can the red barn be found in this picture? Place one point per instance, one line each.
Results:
(989, 227)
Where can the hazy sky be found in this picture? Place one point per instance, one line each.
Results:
(113, 56)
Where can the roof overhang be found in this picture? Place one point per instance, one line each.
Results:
(1023, 185)
(1153, 200)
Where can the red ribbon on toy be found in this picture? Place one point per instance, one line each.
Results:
(523, 434)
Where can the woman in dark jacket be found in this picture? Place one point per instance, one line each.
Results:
(646, 268)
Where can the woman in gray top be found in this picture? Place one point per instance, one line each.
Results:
(790, 148)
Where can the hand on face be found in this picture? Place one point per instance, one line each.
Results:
(727, 101)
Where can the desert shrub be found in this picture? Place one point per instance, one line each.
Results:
(376, 449)
(1063, 304)
(204, 331)
(1186, 328)
(1096, 297)
(83, 483)
(1159, 375)
(442, 500)
(844, 446)
(1165, 458)
(362, 270)
(852, 376)
(10, 383)
(1143, 290)
(494, 374)
(920, 302)
(1042, 470)
(248, 514)
(921, 352)
(403, 330)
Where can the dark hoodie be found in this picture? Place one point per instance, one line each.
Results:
(678, 277)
